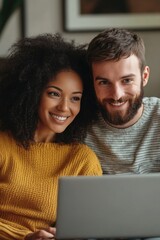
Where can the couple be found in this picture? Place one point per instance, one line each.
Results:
(47, 105)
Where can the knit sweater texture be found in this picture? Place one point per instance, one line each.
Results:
(133, 150)
(29, 182)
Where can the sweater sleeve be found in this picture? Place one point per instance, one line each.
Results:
(92, 165)
(12, 233)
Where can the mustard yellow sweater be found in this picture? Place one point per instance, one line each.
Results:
(28, 182)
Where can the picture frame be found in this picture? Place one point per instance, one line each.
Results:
(74, 21)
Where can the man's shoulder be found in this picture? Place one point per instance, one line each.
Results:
(152, 105)
(151, 101)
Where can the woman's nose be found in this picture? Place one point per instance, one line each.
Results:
(63, 105)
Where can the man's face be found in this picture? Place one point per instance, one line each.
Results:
(119, 90)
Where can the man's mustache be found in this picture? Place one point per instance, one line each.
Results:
(113, 101)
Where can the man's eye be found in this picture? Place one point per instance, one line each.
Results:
(103, 82)
(127, 81)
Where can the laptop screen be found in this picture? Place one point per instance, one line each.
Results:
(110, 206)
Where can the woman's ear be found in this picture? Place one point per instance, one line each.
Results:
(145, 75)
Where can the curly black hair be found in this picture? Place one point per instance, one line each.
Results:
(29, 66)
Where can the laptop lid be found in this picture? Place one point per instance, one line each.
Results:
(110, 206)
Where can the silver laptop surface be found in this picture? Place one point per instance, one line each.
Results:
(113, 206)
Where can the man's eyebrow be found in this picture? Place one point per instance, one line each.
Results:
(101, 78)
(129, 75)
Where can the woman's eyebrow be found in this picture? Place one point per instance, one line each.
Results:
(59, 89)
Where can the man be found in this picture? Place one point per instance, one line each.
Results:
(126, 137)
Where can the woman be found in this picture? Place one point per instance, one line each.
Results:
(42, 87)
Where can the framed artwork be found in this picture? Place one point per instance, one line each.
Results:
(96, 15)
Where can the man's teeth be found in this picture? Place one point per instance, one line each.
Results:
(59, 117)
(117, 103)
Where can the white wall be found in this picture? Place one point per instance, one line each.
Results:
(46, 16)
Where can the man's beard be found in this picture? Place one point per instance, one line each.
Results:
(117, 118)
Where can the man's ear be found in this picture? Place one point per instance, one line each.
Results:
(145, 75)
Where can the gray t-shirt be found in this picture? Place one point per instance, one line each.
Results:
(135, 149)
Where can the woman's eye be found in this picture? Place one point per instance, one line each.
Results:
(54, 94)
(76, 99)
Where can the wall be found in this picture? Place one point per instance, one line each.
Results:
(46, 16)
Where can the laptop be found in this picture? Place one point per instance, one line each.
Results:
(110, 206)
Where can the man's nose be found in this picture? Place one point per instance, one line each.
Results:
(117, 92)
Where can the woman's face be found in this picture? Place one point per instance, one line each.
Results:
(59, 104)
